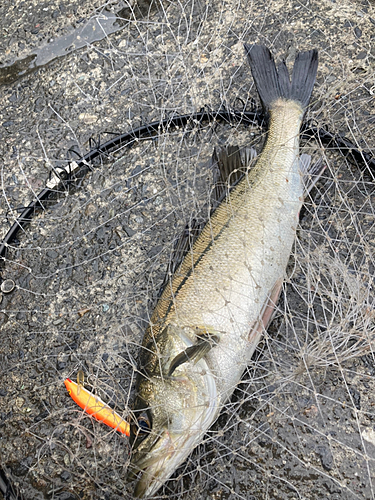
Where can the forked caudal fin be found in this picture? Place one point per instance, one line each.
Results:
(273, 83)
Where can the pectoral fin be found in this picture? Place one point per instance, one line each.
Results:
(205, 342)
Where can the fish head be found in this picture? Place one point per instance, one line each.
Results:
(170, 416)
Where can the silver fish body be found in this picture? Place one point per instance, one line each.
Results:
(213, 312)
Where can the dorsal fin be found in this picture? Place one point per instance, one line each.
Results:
(230, 168)
(184, 243)
(228, 171)
(182, 246)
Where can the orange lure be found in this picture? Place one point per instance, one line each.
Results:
(96, 407)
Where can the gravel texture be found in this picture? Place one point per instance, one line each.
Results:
(88, 270)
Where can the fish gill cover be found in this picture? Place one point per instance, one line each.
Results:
(88, 269)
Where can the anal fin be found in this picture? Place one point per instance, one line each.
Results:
(267, 312)
(310, 173)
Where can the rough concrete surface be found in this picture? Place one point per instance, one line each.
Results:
(88, 269)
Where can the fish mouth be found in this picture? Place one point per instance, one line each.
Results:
(156, 458)
(155, 468)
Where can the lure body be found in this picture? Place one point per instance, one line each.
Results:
(96, 407)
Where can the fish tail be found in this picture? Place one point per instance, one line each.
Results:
(273, 83)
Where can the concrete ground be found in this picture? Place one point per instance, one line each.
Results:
(88, 269)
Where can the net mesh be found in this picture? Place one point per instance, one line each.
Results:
(89, 267)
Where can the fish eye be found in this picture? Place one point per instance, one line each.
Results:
(142, 426)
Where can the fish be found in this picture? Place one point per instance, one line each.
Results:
(220, 299)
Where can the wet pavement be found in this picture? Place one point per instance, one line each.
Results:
(87, 270)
